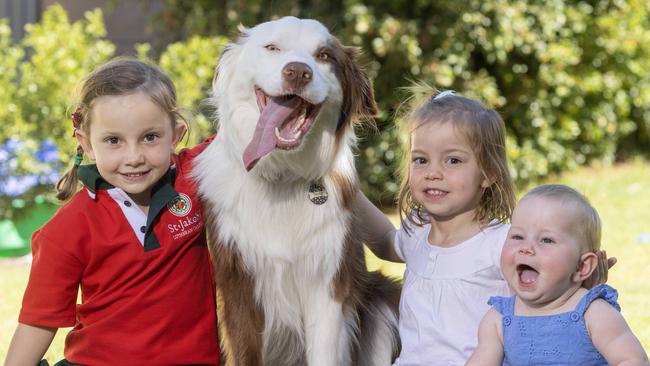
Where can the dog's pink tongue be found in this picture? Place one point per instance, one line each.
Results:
(277, 110)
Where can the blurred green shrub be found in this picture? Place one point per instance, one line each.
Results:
(38, 77)
(191, 65)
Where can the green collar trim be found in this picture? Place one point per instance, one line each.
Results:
(89, 176)
(162, 193)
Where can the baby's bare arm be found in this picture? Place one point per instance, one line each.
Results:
(29, 345)
(612, 336)
(490, 342)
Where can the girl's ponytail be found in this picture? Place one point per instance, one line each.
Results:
(69, 181)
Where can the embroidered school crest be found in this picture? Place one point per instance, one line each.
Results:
(180, 206)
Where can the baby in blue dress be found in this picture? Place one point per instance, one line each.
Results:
(552, 319)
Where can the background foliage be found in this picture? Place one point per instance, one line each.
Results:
(569, 77)
(37, 80)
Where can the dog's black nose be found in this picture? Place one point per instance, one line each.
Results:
(296, 75)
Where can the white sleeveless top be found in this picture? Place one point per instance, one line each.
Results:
(445, 294)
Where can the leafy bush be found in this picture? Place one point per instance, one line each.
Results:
(191, 66)
(37, 81)
(569, 77)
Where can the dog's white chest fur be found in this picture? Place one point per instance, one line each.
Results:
(272, 221)
(282, 236)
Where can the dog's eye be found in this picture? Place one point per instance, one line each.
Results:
(323, 56)
(271, 48)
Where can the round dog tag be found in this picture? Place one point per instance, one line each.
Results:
(317, 193)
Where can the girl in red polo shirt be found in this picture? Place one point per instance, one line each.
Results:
(132, 239)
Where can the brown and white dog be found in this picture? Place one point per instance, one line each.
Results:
(277, 184)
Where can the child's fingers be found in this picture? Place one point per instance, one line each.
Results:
(602, 267)
(611, 262)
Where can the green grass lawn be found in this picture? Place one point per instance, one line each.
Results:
(621, 194)
(13, 279)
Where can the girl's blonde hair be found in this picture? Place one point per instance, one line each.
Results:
(587, 222)
(485, 131)
(120, 76)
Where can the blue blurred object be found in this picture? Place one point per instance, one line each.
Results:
(12, 145)
(28, 169)
(47, 152)
(643, 238)
(14, 179)
(15, 186)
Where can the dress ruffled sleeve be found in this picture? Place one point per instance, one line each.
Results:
(602, 291)
(504, 305)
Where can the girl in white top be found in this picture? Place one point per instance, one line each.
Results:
(456, 195)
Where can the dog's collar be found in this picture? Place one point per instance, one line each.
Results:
(317, 192)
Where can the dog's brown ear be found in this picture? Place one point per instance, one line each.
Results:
(358, 95)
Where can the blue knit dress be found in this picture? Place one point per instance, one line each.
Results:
(559, 339)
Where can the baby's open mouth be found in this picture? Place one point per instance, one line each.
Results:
(527, 274)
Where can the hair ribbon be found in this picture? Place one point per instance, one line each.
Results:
(444, 93)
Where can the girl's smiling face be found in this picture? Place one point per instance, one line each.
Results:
(444, 175)
(132, 140)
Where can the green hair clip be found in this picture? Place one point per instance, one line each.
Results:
(77, 159)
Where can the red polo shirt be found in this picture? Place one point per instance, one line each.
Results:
(147, 294)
